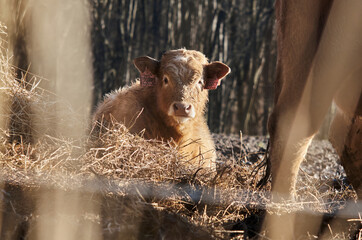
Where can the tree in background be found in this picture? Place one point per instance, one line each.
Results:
(237, 32)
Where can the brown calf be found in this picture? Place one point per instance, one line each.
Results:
(169, 102)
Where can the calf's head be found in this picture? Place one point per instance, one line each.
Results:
(181, 80)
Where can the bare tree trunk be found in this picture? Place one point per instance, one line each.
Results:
(230, 31)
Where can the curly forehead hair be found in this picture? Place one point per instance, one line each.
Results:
(182, 56)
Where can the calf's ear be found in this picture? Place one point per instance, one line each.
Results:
(213, 73)
(148, 68)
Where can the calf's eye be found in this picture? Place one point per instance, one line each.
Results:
(200, 82)
(165, 80)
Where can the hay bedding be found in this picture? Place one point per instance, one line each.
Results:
(143, 189)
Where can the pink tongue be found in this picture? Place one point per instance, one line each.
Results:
(147, 78)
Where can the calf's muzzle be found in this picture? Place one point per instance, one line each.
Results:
(183, 109)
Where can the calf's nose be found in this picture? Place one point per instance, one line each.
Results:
(182, 109)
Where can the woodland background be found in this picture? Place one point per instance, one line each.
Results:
(236, 32)
(239, 33)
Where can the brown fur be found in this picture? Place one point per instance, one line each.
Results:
(147, 107)
(319, 60)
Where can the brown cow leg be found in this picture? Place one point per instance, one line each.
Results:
(346, 137)
(287, 151)
(346, 129)
(291, 125)
(289, 145)
(305, 91)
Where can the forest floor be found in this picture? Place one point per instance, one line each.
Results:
(321, 163)
(321, 177)
(148, 206)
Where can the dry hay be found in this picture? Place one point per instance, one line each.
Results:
(144, 188)
(144, 185)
